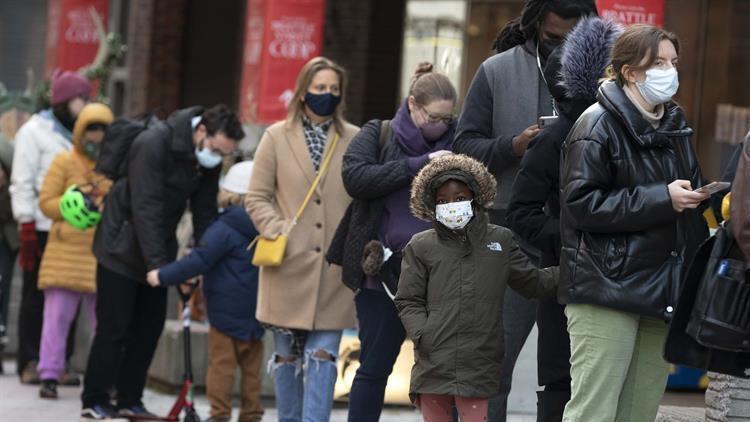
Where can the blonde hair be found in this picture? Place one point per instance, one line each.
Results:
(226, 198)
(304, 79)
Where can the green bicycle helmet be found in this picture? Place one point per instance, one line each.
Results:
(78, 209)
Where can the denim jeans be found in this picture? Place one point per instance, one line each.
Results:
(304, 391)
(381, 335)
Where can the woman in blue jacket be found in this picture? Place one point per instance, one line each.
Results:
(230, 288)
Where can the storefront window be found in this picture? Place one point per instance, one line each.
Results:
(434, 32)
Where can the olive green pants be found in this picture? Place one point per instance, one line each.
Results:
(617, 370)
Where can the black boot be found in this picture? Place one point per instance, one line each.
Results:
(550, 405)
(48, 389)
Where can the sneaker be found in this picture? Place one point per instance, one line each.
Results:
(29, 375)
(101, 412)
(138, 413)
(70, 379)
(48, 389)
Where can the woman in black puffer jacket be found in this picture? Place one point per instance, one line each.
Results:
(630, 224)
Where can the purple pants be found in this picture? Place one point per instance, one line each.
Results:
(60, 306)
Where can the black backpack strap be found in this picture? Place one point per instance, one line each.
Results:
(386, 131)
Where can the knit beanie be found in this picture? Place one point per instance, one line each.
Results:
(237, 179)
(67, 85)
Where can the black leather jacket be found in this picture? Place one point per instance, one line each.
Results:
(624, 246)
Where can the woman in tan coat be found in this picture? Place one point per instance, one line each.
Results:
(303, 300)
(67, 272)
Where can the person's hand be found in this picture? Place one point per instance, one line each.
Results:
(28, 250)
(153, 278)
(521, 142)
(438, 154)
(683, 197)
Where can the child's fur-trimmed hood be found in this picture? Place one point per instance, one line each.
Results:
(451, 167)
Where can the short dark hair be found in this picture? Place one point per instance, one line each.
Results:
(221, 118)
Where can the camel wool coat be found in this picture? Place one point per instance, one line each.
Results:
(304, 292)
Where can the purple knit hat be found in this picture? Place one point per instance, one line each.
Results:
(67, 85)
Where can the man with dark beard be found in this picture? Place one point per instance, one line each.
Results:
(37, 142)
(505, 99)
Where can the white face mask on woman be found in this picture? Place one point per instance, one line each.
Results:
(660, 85)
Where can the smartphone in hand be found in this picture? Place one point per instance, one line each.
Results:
(713, 187)
(545, 121)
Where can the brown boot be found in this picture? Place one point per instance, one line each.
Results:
(70, 379)
(29, 375)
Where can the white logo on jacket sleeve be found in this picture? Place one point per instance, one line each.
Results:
(495, 246)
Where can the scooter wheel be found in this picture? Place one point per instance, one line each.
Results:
(191, 416)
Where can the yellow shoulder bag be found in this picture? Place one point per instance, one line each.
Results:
(270, 252)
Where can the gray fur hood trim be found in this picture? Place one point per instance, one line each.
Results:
(455, 166)
(586, 54)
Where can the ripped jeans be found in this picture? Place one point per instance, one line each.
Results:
(304, 389)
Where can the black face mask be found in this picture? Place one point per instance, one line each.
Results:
(323, 105)
(546, 47)
(65, 118)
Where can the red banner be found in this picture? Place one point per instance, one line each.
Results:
(280, 37)
(632, 11)
(72, 40)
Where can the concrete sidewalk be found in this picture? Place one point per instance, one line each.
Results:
(20, 403)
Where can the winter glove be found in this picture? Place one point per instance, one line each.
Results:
(29, 246)
(372, 258)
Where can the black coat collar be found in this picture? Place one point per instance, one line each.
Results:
(673, 124)
(180, 123)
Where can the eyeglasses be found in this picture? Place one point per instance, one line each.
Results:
(234, 154)
(448, 119)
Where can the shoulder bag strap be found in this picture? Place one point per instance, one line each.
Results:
(323, 168)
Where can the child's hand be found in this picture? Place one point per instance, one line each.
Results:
(153, 278)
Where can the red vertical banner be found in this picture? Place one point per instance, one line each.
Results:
(280, 37)
(72, 39)
(629, 12)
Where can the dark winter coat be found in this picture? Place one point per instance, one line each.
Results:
(506, 96)
(8, 226)
(534, 208)
(369, 175)
(452, 287)
(573, 71)
(624, 246)
(230, 282)
(141, 211)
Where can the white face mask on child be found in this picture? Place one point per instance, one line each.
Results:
(454, 215)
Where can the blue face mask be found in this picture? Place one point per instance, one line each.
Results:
(323, 105)
(207, 158)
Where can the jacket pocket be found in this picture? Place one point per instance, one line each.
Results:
(608, 252)
(428, 332)
(122, 243)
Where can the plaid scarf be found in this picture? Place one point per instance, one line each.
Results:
(316, 136)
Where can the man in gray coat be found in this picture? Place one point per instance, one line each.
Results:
(506, 97)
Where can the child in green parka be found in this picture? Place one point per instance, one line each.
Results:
(450, 294)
